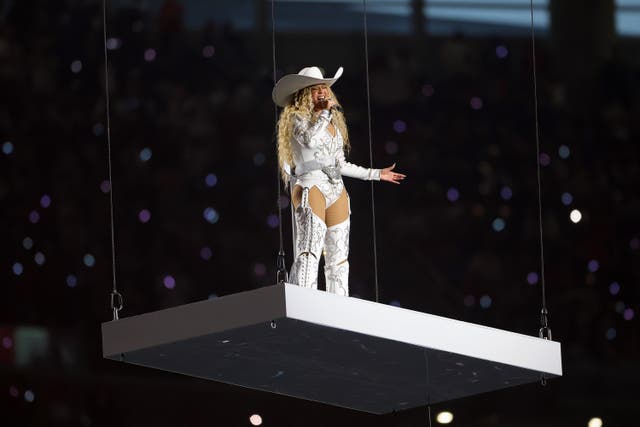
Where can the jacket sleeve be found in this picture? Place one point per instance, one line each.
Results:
(304, 132)
(355, 171)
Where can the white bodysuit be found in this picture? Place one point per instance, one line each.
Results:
(319, 158)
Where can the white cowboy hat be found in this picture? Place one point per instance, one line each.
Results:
(291, 83)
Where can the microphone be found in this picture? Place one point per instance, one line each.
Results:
(337, 108)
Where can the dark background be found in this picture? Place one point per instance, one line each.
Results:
(195, 196)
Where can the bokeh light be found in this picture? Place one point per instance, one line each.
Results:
(566, 198)
(469, 300)
(29, 396)
(13, 391)
(72, 281)
(611, 334)
(575, 216)
(206, 253)
(259, 269)
(506, 193)
(211, 215)
(89, 260)
(273, 221)
(98, 129)
(595, 422)
(255, 420)
(545, 159)
(614, 288)
(169, 282)
(39, 258)
(498, 224)
(391, 147)
(444, 417)
(45, 201)
(634, 243)
(113, 43)
(34, 217)
(485, 301)
(453, 194)
(532, 278)
(502, 51)
(564, 152)
(208, 51)
(258, 159)
(593, 265)
(476, 103)
(145, 154)
(105, 186)
(76, 66)
(17, 268)
(628, 313)
(7, 343)
(395, 303)
(211, 180)
(149, 55)
(7, 147)
(144, 216)
(27, 243)
(399, 126)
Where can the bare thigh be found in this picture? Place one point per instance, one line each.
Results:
(339, 211)
(317, 201)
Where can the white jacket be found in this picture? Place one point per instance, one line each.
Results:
(315, 148)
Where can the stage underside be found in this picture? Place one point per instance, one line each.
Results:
(338, 350)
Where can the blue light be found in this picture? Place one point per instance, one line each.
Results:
(211, 215)
(145, 154)
(611, 334)
(593, 266)
(7, 148)
(17, 268)
(89, 260)
(564, 152)
(399, 126)
(614, 288)
(566, 198)
(258, 159)
(485, 301)
(273, 221)
(498, 224)
(453, 194)
(211, 180)
(506, 193)
(72, 281)
(501, 51)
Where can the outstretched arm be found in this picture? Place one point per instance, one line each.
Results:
(389, 176)
(355, 171)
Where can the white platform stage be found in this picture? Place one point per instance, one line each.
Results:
(341, 351)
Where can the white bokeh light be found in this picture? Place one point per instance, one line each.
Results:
(575, 216)
(255, 419)
(595, 422)
(444, 417)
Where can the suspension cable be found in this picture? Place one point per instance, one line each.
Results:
(545, 331)
(281, 269)
(373, 205)
(116, 298)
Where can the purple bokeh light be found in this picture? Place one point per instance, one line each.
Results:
(144, 216)
(399, 126)
(628, 314)
(169, 282)
(272, 221)
(593, 265)
(34, 217)
(105, 186)
(453, 194)
(532, 278)
(476, 103)
(614, 288)
(545, 159)
(206, 253)
(45, 201)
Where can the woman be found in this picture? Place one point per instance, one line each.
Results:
(312, 140)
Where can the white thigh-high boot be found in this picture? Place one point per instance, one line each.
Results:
(309, 240)
(336, 253)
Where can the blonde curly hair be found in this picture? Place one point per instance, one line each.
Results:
(301, 104)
